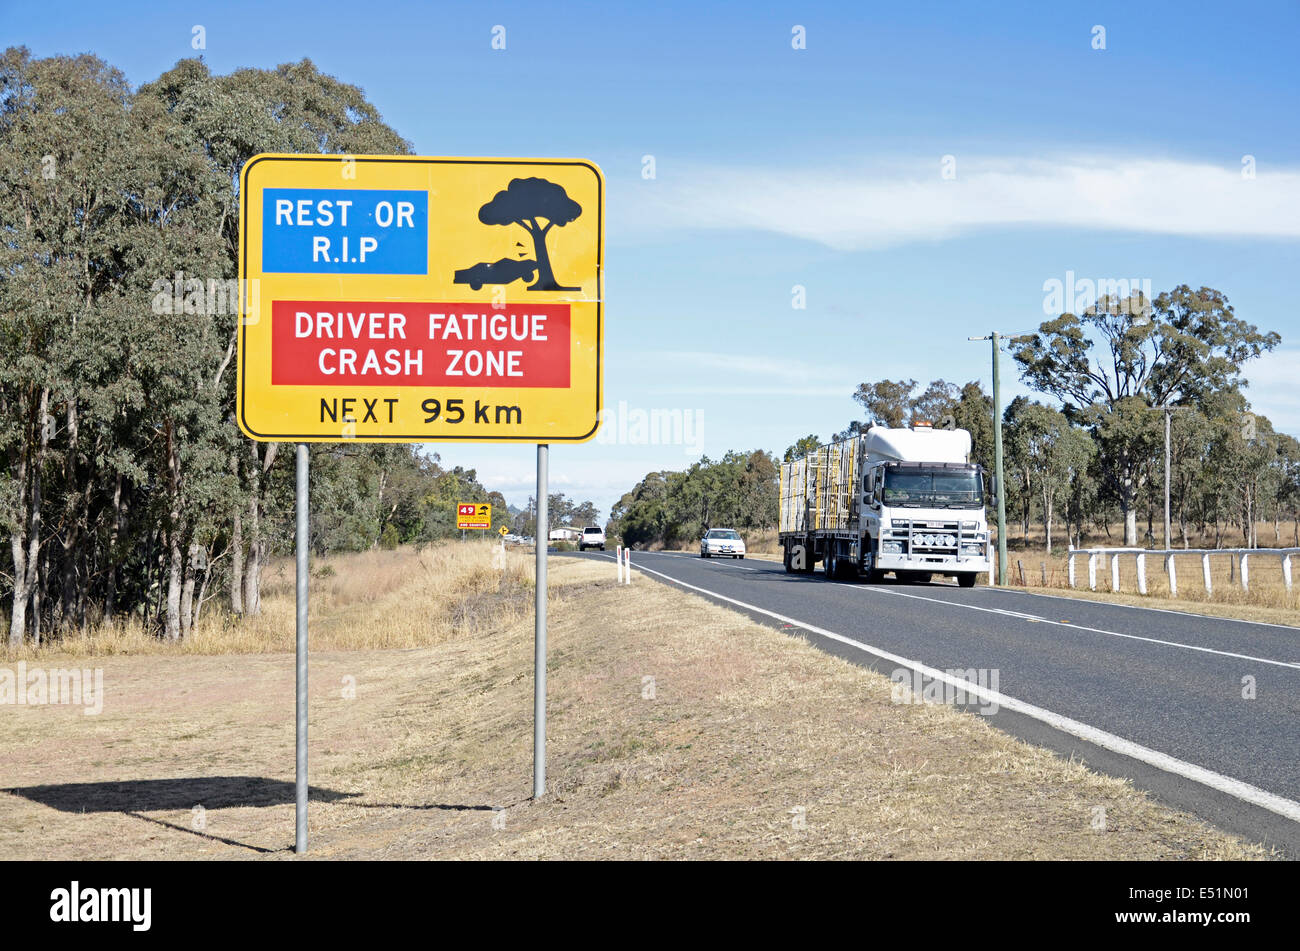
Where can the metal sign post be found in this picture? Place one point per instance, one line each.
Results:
(539, 636)
(300, 689)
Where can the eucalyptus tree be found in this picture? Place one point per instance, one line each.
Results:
(231, 118)
(1050, 452)
(1111, 365)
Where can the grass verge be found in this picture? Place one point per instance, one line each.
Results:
(678, 730)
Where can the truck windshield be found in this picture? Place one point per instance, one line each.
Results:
(934, 488)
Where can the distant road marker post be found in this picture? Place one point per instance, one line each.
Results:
(394, 299)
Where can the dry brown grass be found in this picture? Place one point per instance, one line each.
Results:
(369, 600)
(746, 727)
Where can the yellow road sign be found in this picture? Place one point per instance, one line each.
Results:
(503, 530)
(473, 515)
(413, 299)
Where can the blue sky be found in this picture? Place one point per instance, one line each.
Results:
(819, 167)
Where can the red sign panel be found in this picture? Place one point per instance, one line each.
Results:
(404, 343)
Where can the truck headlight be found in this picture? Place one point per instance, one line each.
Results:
(972, 549)
(891, 548)
(969, 526)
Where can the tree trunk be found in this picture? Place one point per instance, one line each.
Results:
(257, 547)
(176, 566)
(71, 586)
(18, 549)
(25, 543)
(200, 597)
(236, 555)
(37, 556)
(253, 567)
(545, 277)
(18, 610)
(148, 577)
(174, 533)
(187, 589)
(1047, 516)
(1130, 519)
(110, 594)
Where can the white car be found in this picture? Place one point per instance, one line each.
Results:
(592, 537)
(722, 541)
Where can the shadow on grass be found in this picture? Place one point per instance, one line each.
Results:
(133, 797)
(154, 795)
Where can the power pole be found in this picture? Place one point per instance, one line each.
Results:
(1169, 414)
(995, 338)
(997, 465)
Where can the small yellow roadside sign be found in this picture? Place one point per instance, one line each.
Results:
(503, 531)
(473, 515)
(420, 299)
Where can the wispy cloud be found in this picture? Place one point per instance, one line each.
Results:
(852, 209)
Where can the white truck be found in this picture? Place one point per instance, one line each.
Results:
(902, 500)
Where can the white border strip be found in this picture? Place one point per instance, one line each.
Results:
(1197, 774)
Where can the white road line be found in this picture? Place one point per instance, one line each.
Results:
(1077, 627)
(1142, 607)
(1197, 774)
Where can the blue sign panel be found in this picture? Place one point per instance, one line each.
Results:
(345, 231)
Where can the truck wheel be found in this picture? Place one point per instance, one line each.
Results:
(831, 566)
(786, 560)
(967, 580)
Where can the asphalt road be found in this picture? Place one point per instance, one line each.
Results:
(1151, 695)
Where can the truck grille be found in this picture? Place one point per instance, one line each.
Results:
(928, 536)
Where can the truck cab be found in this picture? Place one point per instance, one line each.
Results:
(901, 500)
(924, 518)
